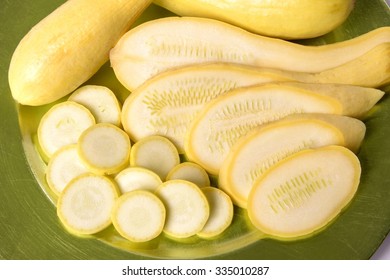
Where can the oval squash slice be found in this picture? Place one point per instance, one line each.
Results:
(304, 192)
(171, 42)
(267, 145)
(228, 118)
(166, 104)
(353, 130)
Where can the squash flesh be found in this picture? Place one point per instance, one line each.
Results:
(303, 193)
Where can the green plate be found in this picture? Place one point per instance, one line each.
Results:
(30, 229)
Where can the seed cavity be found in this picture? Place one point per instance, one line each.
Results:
(258, 169)
(235, 120)
(295, 192)
(186, 47)
(65, 123)
(174, 124)
(172, 109)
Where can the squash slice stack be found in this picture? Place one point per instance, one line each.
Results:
(225, 120)
(269, 144)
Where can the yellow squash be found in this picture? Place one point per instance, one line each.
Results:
(67, 47)
(304, 193)
(291, 19)
(171, 42)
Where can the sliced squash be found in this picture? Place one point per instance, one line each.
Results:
(221, 212)
(191, 172)
(104, 148)
(166, 104)
(303, 193)
(353, 130)
(356, 101)
(228, 118)
(187, 208)
(86, 203)
(267, 145)
(62, 125)
(375, 74)
(155, 153)
(64, 166)
(171, 42)
(138, 216)
(101, 101)
(137, 178)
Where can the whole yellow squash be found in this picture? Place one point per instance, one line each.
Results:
(67, 47)
(288, 19)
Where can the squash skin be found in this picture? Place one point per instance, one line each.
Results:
(67, 47)
(288, 19)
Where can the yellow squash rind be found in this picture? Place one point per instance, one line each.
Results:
(290, 19)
